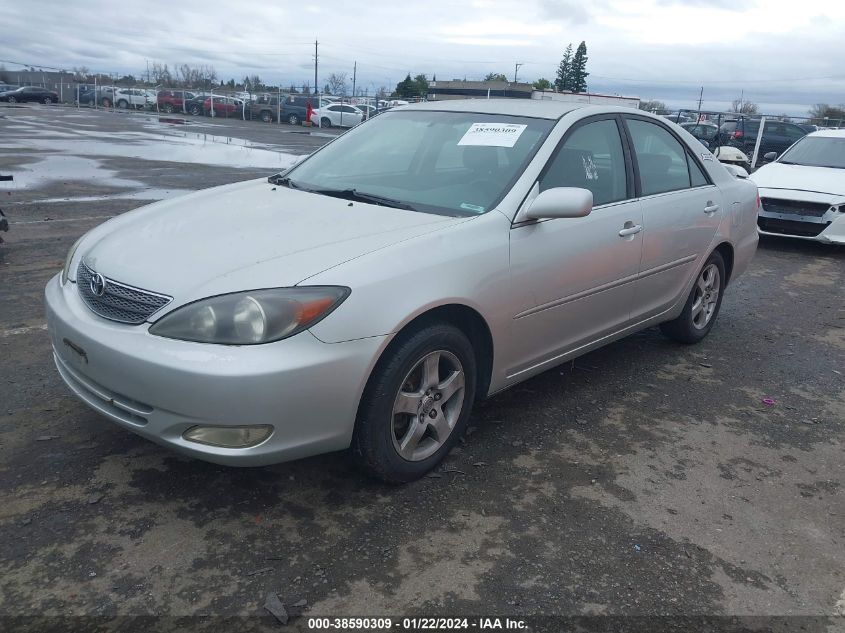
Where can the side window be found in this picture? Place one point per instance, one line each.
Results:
(661, 158)
(696, 176)
(591, 158)
(793, 132)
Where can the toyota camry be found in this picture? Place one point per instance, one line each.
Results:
(368, 296)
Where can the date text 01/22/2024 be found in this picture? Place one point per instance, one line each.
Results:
(416, 624)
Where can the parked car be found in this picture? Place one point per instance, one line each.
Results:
(8, 87)
(742, 134)
(265, 107)
(295, 107)
(704, 131)
(173, 100)
(223, 106)
(484, 243)
(30, 94)
(136, 98)
(338, 115)
(195, 106)
(803, 191)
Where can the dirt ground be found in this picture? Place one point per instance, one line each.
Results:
(646, 478)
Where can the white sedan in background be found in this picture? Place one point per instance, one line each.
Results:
(803, 191)
(337, 115)
(367, 297)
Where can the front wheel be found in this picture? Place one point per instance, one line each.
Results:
(416, 404)
(195, 110)
(122, 104)
(267, 116)
(13, 100)
(47, 101)
(168, 108)
(702, 305)
(293, 119)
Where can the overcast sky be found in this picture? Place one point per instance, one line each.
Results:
(785, 54)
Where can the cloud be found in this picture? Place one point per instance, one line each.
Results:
(569, 11)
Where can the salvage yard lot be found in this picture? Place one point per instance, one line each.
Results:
(644, 478)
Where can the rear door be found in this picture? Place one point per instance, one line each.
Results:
(681, 209)
(580, 272)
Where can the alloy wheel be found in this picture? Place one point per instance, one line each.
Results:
(708, 287)
(428, 405)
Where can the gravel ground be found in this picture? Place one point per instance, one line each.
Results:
(645, 478)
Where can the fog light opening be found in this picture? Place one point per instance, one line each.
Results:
(228, 436)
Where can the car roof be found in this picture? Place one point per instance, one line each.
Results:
(538, 108)
(829, 133)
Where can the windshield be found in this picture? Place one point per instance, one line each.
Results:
(817, 151)
(451, 163)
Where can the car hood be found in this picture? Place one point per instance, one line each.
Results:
(243, 236)
(825, 180)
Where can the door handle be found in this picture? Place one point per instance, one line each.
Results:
(630, 230)
(711, 208)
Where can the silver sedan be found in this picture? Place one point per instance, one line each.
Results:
(367, 297)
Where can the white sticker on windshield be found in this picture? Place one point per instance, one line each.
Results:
(493, 134)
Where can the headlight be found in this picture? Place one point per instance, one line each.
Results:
(251, 317)
(70, 254)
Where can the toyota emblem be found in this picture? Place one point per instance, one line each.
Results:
(98, 285)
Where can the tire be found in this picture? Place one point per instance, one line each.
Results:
(398, 446)
(123, 104)
(696, 320)
(325, 122)
(195, 110)
(293, 119)
(266, 116)
(47, 101)
(13, 100)
(106, 102)
(168, 108)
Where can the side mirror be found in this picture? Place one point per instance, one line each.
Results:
(770, 156)
(560, 202)
(736, 171)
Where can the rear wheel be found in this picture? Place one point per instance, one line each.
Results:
(195, 110)
(293, 119)
(123, 104)
(13, 100)
(266, 116)
(416, 404)
(168, 108)
(106, 102)
(703, 303)
(47, 101)
(325, 122)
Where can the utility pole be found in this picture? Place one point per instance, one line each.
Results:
(354, 73)
(700, 98)
(516, 68)
(315, 66)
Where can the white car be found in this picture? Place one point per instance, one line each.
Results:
(337, 115)
(132, 98)
(803, 191)
(367, 297)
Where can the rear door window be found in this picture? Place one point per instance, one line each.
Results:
(661, 158)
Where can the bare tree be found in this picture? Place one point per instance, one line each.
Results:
(744, 107)
(337, 84)
(653, 105)
(81, 73)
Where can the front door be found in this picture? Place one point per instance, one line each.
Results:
(576, 275)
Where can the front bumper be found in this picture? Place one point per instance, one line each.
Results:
(827, 227)
(158, 388)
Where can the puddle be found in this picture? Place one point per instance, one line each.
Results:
(61, 168)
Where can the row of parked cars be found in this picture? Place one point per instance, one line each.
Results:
(741, 133)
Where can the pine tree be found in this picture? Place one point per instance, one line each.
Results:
(564, 71)
(579, 69)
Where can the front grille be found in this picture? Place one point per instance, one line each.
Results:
(118, 302)
(790, 227)
(795, 207)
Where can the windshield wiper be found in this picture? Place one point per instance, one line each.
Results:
(284, 181)
(361, 196)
